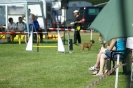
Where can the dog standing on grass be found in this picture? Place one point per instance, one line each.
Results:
(87, 45)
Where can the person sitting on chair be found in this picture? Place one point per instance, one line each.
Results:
(119, 44)
(11, 28)
(20, 25)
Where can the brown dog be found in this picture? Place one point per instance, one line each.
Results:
(87, 45)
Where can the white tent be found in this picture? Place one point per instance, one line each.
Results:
(25, 3)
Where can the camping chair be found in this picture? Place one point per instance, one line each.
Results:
(108, 65)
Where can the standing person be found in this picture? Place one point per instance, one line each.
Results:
(30, 20)
(37, 28)
(77, 26)
(11, 28)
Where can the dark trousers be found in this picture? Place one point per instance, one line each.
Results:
(41, 35)
(77, 37)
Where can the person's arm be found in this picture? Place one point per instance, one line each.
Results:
(132, 54)
(16, 27)
(80, 21)
(8, 28)
(25, 27)
(112, 44)
(23, 17)
(33, 16)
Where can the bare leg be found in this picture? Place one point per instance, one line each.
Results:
(13, 36)
(102, 61)
(25, 39)
(99, 56)
(98, 60)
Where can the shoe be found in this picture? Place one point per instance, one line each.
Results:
(93, 68)
(95, 72)
(99, 74)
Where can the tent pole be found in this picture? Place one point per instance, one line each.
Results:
(26, 16)
(6, 14)
(44, 18)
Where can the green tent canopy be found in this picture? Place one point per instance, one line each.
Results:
(115, 20)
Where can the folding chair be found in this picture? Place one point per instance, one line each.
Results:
(111, 59)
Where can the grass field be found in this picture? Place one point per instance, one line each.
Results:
(51, 69)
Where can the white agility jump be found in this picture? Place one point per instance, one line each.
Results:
(30, 44)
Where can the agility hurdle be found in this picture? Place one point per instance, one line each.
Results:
(30, 44)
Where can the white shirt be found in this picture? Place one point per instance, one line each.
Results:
(129, 43)
(30, 19)
(20, 26)
(11, 26)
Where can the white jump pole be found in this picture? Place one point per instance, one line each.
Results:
(91, 35)
(6, 14)
(117, 70)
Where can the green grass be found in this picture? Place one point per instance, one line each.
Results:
(51, 69)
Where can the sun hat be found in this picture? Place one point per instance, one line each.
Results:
(75, 11)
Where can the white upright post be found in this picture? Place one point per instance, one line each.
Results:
(63, 14)
(6, 14)
(6, 22)
(44, 18)
(61, 47)
(30, 43)
(27, 16)
(117, 70)
(91, 35)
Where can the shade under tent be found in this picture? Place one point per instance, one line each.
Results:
(25, 3)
